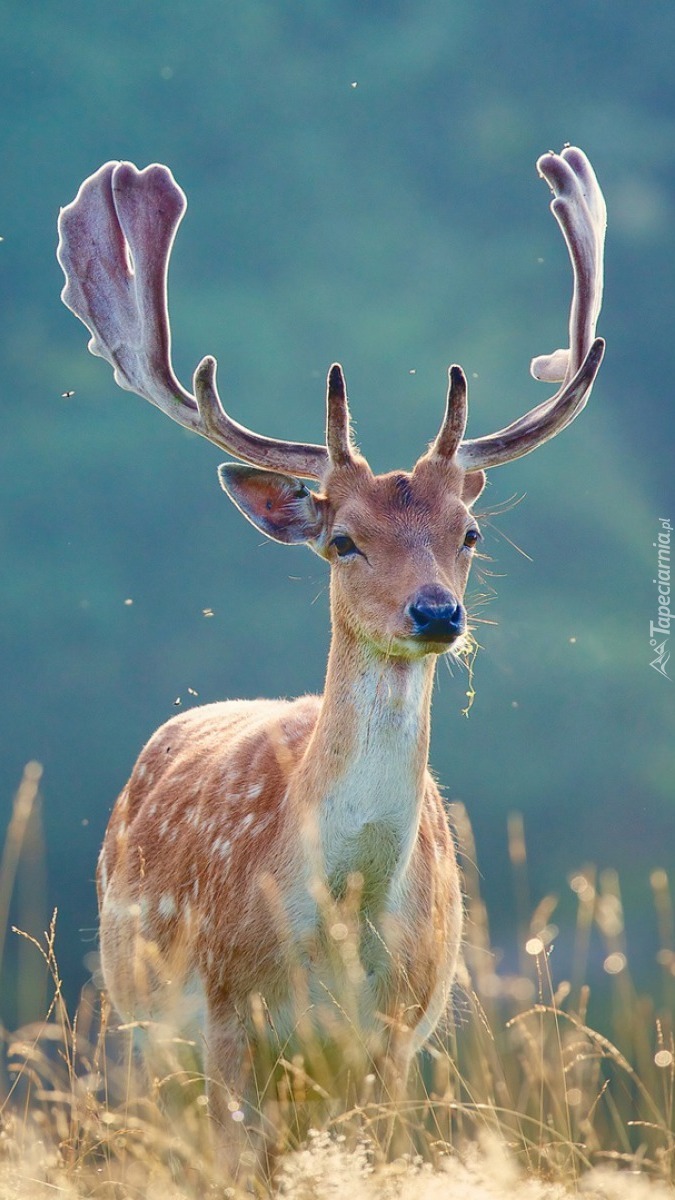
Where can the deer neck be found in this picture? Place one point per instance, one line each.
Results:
(363, 775)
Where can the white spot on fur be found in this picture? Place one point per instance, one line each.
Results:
(122, 910)
(246, 821)
(254, 791)
(139, 910)
(167, 906)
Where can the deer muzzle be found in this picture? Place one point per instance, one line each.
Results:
(436, 615)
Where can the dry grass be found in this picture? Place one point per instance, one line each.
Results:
(518, 1094)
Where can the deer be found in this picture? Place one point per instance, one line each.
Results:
(249, 828)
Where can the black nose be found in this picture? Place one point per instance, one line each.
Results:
(436, 615)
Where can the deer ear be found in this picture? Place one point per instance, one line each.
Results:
(278, 505)
(473, 486)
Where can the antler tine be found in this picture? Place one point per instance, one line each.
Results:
(454, 422)
(541, 424)
(579, 208)
(338, 435)
(302, 458)
(115, 241)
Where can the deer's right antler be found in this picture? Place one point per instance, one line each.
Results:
(115, 241)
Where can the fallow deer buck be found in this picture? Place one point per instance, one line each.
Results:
(247, 823)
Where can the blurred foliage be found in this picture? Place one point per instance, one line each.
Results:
(362, 187)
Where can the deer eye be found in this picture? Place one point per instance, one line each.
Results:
(344, 546)
(471, 537)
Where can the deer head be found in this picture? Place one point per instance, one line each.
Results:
(400, 544)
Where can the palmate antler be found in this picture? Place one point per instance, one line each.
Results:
(115, 241)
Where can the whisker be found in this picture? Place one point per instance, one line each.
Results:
(496, 510)
(496, 529)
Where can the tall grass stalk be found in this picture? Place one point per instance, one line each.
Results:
(25, 804)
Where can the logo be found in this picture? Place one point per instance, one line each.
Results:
(659, 630)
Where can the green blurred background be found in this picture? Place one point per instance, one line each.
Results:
(361, 187)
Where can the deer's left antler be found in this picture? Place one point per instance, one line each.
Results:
(579, 208)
